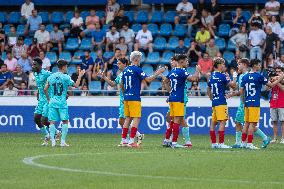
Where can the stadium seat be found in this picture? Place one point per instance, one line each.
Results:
(223, 30)
(84, 15)
(142, 16)
(77, 54)
(130, 15)
(228, 56)
(72, 44)
(153, 28)
(95, 86)
(51, 56)
(154, 86)
(166, 57)
(179, 30)
(166, 30)
(227, 17)
(187, 42)
(14, 18)
(203, 86)
(71, 69)
(86, 44)
(220, 43)
(69, 15)
(108, 55)
(6, 28)
(157, 17)
(93, 55)
(49, 27)
(57, 18)
(105, 27)
(231, 46)
(20, 30)
(160, 43)
(136, 27)
(28, 41)
(246, 14)
(44, 16)
(191, 70)
(170, 16)
(148, 69)
(4, 55)
(54, 69)
(143, 57)
(65, 56)
(100, 14)
(3, 17)
(173, 43)
(152, 58)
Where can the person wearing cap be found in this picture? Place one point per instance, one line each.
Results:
(19, 48)
(10, 90)
(218, 82)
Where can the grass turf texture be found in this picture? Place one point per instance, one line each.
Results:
(199, 167)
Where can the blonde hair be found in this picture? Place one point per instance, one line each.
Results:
(135, 54)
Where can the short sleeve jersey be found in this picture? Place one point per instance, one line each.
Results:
(177, 77)
(118, 81)
(40, 79)
(218, 83)
(252, 83)
(132, 77)
(58, 87)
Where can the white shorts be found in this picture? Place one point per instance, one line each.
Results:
(277, 114)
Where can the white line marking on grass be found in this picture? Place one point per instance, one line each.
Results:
(31, 161)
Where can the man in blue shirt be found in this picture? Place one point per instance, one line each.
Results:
(238, 20)
(132, 78)
(181, 49)
(218, 82)
(33, 23)
(5, 76)
(87, 64)
(98, 37)
(251, 86)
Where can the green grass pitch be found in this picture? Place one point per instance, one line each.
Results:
(94, 161)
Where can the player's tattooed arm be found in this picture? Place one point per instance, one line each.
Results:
(155, 75)
(166, 82)
(46, 91)
(196, 76)
(104, 77)
(81, 74)
(273, 84)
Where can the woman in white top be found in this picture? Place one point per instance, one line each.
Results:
(275, 26)
(76, 25)
(241, 41)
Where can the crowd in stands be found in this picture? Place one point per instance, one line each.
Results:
(94, 41)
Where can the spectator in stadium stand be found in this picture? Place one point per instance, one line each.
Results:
(112, 9)
(200, 6)
(144, 39)
(215, 11)
(98, 37)
(86, 64)
(129, 35)
(280, 62)
(19, 76)
(192, 22)
(206, 65)
(10, 90)
(19, 48)
(10, 61)
(264, 16)
(257, 39)
(2, 40)
(212, 49)
(5, 76)
(120, 20)
(269, 61)
(100, 65)
(32, 83)
(26, 10)
(241, 42)
(12, 37)
(75, 76)
(202, 37)
(33, 23)
(272, 8)
(112, 39)
(122, 45)
(85, 91)
(208, 22)
(34, 49)
(194, 52)
(184, 10)
(272, 43)
(275, 26)
(234, 62)
(25, 63)
(181, 49)
(112, 64)
(45, 61)
(76, 25)
(90, 23)
(42, 36)
(257, 19)
(56, 39)
(23, 90)
(238, 20)
(194, 90)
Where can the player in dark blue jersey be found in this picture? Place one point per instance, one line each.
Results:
(251, 86)
(218, 82)
(132, 76)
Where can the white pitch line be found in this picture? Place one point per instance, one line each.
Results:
(30, 161)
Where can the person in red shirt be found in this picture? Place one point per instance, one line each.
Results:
(206, 65)
(277, 107)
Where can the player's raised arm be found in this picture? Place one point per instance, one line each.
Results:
(166, 82)
(81, 74)
(155, 75)
(273, 84)
(196, 75)
(104, 77)
(46, 91)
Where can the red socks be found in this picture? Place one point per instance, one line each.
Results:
(175, 132)
(124, 133)
(133, 132)
(250, 138)
(221, 136)
(244, 137)
(169, 130)
(213, 137)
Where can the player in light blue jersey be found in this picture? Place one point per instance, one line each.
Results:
(122, 64)
(56, 93)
